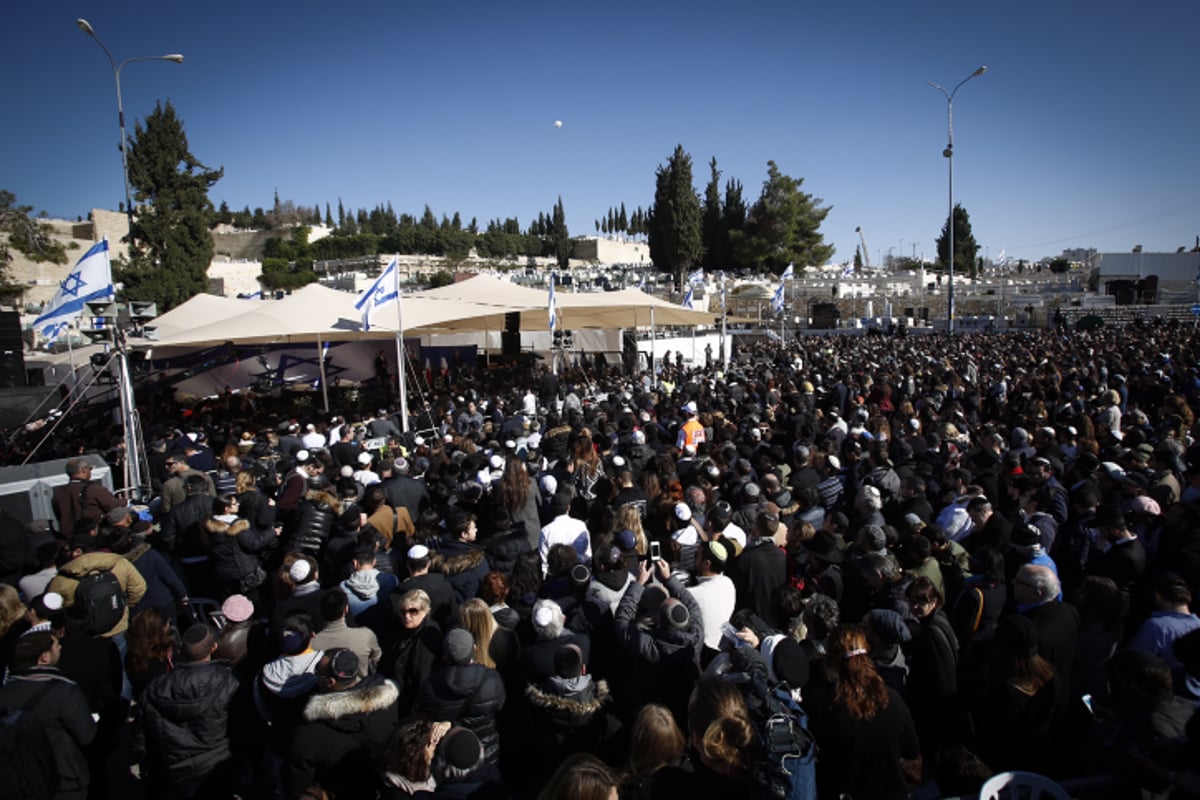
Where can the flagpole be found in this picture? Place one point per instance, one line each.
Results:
(401, 371)
(321, 366)
(724, 323)
(653, 351)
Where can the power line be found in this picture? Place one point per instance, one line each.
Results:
(1162, 214)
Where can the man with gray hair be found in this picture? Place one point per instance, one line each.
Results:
(549, 624)
(1035, 590)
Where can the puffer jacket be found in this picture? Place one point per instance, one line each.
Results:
(464, 564)
(665, 659)
(564, 716)
(316, 515)
(185, 720)
(470, 695)
(505, 547)
(341, 737)
(234, 548)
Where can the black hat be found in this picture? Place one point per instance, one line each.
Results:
(823, 545)
(790, 662)
(461, 749)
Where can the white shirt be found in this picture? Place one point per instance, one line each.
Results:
(565, 529)
(313, 440)
(717, 599)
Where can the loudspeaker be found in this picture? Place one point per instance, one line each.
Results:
(10, 333)
(12, 370)
(510, 342)
(512, 322)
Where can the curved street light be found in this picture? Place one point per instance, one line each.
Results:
(949, 154)
(175, 58)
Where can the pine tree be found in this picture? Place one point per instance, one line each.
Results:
(783, 226)
(328, 217)
(733, 219)
(170, 244)
(965, 248)
(622, 220)
(712, 235)
(559, 238)
(674, 219)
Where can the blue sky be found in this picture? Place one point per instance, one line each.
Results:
(1083, 132)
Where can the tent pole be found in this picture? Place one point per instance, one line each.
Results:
(653, 351)
(724, 316)
(400, 366)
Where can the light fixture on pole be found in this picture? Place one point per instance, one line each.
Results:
(175, 58)
(949, 154)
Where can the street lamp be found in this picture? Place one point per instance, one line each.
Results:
(949, 154)
(176, 58)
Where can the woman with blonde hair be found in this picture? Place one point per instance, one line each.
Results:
(475, 616)
(11, 608)
(655, 742)
(869, 745)
(721, 744)
(630, 519)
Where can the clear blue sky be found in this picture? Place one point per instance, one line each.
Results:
(1083, 132)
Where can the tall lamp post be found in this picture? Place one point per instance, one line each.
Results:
(949, 154)
(176, 58)
(137, 475)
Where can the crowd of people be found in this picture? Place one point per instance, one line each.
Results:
(957, 555)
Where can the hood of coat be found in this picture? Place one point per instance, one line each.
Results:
(456, 558)
(216, 526)
(578, 698)
(357, 701)
(320, 498)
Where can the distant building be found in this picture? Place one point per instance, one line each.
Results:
(611, 251)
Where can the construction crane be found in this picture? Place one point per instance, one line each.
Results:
(866, 258)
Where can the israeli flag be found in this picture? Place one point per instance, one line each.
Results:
(788, 273)
(385, 289)
(696, 277)
(88, 282)
(552, 307)
(777, 300)
(687, 299)
(1001, 259)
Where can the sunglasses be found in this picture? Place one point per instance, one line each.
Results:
(408, 612)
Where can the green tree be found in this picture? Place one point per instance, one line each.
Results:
(733, 218)
(557, 236)
(674, 219)
(26, 235)
(170, 246)
(783, 226)
(712, 234)
(965, 247)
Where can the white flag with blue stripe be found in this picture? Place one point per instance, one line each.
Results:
(1002, 259)
(385, 290)
(696, 277)
(687, 299)
(788, 273)
(777, 300)
(552, 307)
(88, 282)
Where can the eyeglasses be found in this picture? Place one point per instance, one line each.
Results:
(411, 612)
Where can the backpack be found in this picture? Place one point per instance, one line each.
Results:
(100, 594)
(786, 764)
(26, 757)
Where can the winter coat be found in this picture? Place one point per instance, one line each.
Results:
(182, 531)
(316, 515)
(163, 585)
(185, 720)
(505, 547)
(565, 716)
(665, 658)
(341, 737)
(59, 704)
(235, 550)
(410, 658)
(757, 574)
(470, 695)
(127, 576)
(464, 564)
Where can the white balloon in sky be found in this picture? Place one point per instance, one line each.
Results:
(558, 123)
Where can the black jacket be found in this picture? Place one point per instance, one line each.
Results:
(315, 517)
(410, 658)
(411, 493)
(565, 716)
(63, 710)
(185, 718)
(235, 549)
(470, 695)
(464, 564)
(341, 737)
(757, 573)
(182, 530)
